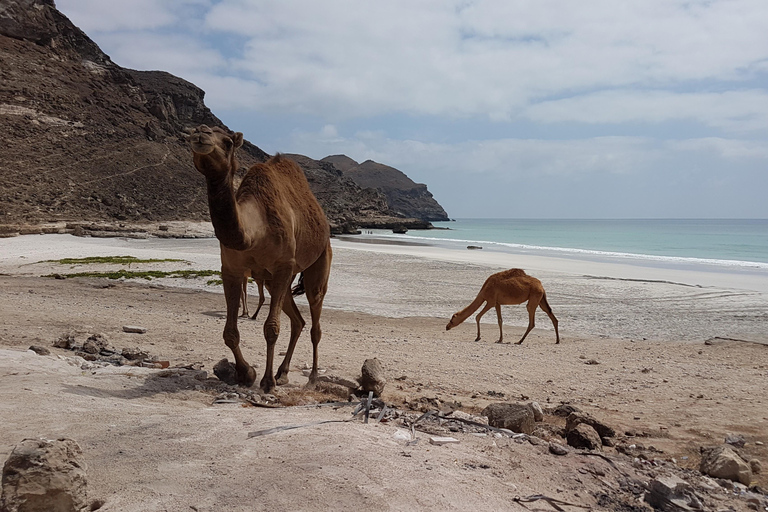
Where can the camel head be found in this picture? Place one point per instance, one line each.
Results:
(453, 322)
(213, 150)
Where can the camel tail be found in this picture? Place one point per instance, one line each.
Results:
(544, 304)
(299, 288)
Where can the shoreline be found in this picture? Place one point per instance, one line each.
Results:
(372, 276)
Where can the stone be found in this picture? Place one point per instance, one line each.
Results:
(671, 493)
(538, 413)
(66, 341)
(514, 417)
(563, 410)
(226, 372)
(134, 328)
(372, 378)
(135, 354)
(756, 466)
(736, 440)
(42, 475)
(439, 441)
(41, 351)
(584, 436)
(578, 417)
(723, 462)
(557, 448)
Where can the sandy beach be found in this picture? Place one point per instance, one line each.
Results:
(633, 354)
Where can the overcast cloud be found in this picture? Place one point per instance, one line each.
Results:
(653, 108)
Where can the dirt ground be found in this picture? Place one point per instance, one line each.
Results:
(154, 440)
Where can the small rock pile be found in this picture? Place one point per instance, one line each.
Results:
(97, 349)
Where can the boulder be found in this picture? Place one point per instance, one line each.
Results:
(372, 378)
(671, 493)
(514, 417)
(577, 417)
(723, 462)
(42, 475)
(584, 436)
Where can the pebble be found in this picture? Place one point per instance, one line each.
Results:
(134, 328)
(439, 440)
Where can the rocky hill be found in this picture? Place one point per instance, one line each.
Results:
(85, 139)
(404, 196)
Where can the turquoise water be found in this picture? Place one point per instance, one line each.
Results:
(731, 242)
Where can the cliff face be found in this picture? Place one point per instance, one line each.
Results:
(404, 196)
(85, 139)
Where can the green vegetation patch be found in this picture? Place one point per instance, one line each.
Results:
(120, 260)
(141, 274)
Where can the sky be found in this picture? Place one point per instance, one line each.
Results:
(504, 108)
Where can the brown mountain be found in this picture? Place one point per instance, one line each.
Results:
(404, 196)
(85, 139)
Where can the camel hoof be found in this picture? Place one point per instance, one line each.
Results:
(282, 380)
(519, 342)
(248, 378)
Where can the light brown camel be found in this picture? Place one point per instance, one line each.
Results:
(508, 287)
(244, 296)
(274, 227)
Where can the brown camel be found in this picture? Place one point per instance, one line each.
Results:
(244, 296)
(508, 287)
(273, 227)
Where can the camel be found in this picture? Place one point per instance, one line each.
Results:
(272, 226)
(512, 286)
(244, 296)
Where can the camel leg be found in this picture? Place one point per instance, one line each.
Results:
(488, 306)
(281, 282)
(233, 285)
(297, 325)
(244, 297)
(501, 330)
(531, 307)
(548, 310)
(260, 284)
(316, 286)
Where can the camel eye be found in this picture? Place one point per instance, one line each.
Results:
(228, 143)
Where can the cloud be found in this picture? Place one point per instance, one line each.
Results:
(730, 110)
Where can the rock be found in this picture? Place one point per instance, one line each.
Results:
(584, 436)
(90, 347)
(372, 378)
(756, 466)
(439, 441)
(66, 341)
(134, 328)
(723, 462)
(671, 493)
(736, 440)
(514, 417)
(44, 475)
(226, 372)
(41, 351)
(563, 410)
(557, 449)
(135, 354)
(97, 340)
(538, 413)
(461, 415)
(578, 417)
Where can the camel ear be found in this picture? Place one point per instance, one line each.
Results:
(237, 139)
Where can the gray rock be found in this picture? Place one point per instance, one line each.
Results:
(736, 440)
(135, 354)
(134, 328)
(66, 341)
(538, 413)
(41, 351)
(514, 417)
(584, 436)
(671, 493)
(43, 475)
(226, 372)
(372, 378)
(723, 462)
(557, 449)
(578, 417)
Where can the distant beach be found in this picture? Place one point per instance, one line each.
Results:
(372, 273)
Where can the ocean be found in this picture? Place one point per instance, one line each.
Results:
(719, 242)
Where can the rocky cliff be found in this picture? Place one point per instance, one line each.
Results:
(85, 139)
(404, 196)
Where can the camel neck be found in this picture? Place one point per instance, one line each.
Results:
(224, 214)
